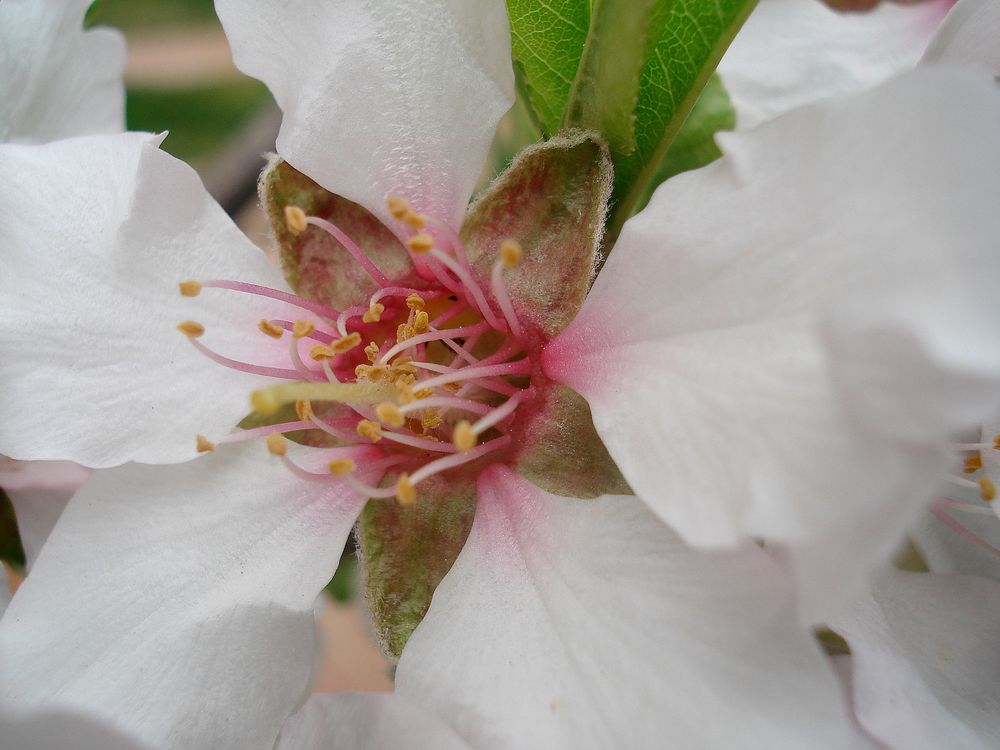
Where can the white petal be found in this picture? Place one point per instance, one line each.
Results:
(382, 98)
(926, 655)
(5, 593)
(588, 624)
(702, 346)
(969, 34)
(176, 602)
(373, 721)
(94, 237)
(58, 730)
(795, 52)
(59, 80)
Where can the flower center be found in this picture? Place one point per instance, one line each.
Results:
(421, 378)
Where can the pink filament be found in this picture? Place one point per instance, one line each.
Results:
(264, 291)
(352, 247)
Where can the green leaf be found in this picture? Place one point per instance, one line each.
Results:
(695, 36)
(406, 551)
(606, 88)
(695, 146)
(547, 40)
(552, 200)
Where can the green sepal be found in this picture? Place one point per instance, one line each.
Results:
(562, 452)
(315, 265)
(553, 201)
(406, 551)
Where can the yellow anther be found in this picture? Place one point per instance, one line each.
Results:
(341, 466)
(295, 219)
(270, 329)
(510, 254)
(191, 329)
(996, 443)
(368, 429)
(402, 365)
(374, 313)
(415, 220)
(277, 444)
(304, 408)
(203, 444)
(190, 288)
(463, 437)
(973, 464)
(406, 493)
(415, 302)
(371, 351)
(424, 393)
(421, 322)
(404, 331)
(322, 351)
(420, 243)
(398, 207)
(347, 343)
(406, 395)
(987, 490)
(430, 419)
(390, 414)
(302, 328)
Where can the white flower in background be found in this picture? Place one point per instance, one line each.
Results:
(770, 350)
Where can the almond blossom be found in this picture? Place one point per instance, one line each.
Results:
(785, 374)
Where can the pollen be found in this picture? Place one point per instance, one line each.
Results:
(510, 254)
(996, 443)
(368, 429)
(406, 493)
(203, 444)
(463, 437)
(390, 414)
(415, 302)
(406, 395)
(295, 219)
(404, 331)
(420, 243)
(421, 322)
(277, 444)
(398, 207)
(190, 288)
(322, 351)
(987, 490)
(341, 466)
(347, 343)
(371, 351)
(430, 420)
(270, 329)
(191, 329)
(374, 313)
(415, 220)
(304, 409)
(302, 328)
(973, 464)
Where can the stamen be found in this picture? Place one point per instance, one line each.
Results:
(415, 302)
(295, 220)
(421, 321)
(398, 207)
(302, 328)
(390, 414)
(964, 532)
(235, 364)
(190, 288)
(520, 367)
(406, 493)
(449, 462)
(304, 409)
(471, 286)
(374, 314)
(421, 243)
(322, 351)
(191, 329)
(263, 291)
(277, 444)
(423, 443)
(340, 346)
(987, 490)
(352, 247)
(203, 444)
(510, 256)
(448, 333)
(446, 402)
(267, 401)
(368, 429)
(463, 437)
(341, 466)
(270, 329)
(241, 436)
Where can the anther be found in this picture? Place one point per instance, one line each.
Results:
(406, 493)
(322, 351)
(421, 322)
(295, 219)
(374, 313)
(415, 220)
(510, 254)
(368, 429)
(277, 444)
(416, 302)
(304, 410)
(987, 490)
(404, 331)
(191, 329)
(341, 466)
(302, 328)
(972, 464)
(270, 329)
(347, 343)
(390, 414)
(420, 243)
(463, 437)
(190, 288)
(398, 207)
(203, 444)
(371, 351)
(430, 419)
(996, 443)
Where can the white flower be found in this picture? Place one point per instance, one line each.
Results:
(752, 371)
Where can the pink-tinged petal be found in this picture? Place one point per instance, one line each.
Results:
(382, 98)
(926, 655)
(567, 623)
(968, 35)
(373, 721)
(795, 52)
(95, 235)
(176, 602)
(64, 476)
(714, 346)
(5, 592)
(59, 80)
